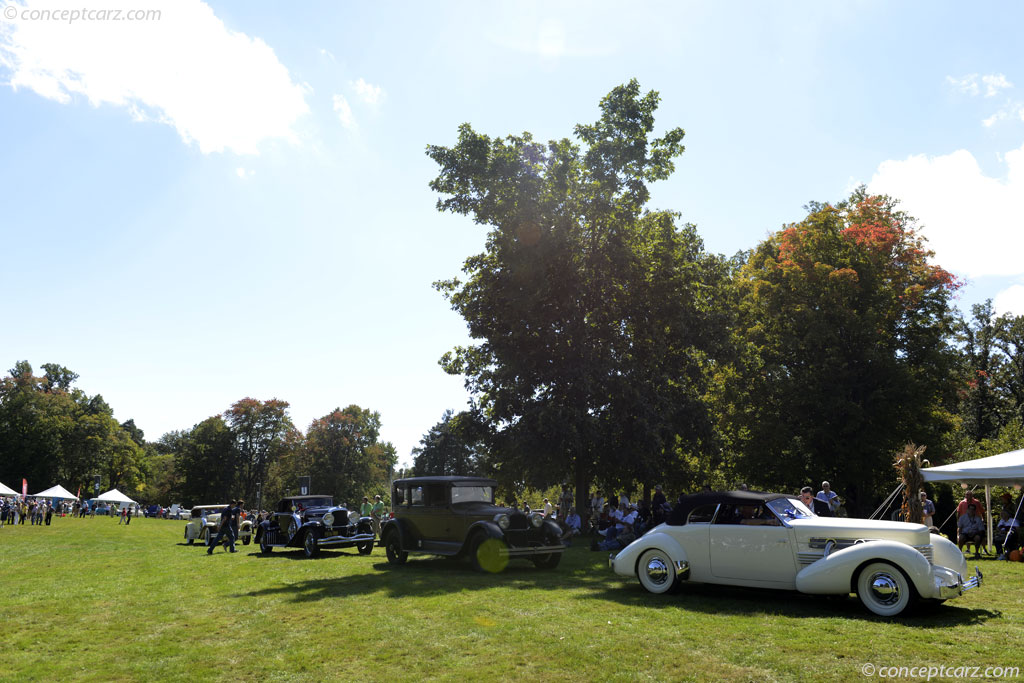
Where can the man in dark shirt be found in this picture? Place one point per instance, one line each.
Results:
(227, 528)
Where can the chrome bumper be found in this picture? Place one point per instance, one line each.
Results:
(535, 550)
(339, 540)
(948, 592)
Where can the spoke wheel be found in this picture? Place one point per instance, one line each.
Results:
(884, 589)
(656, 572)
(310, 545)
(550, 560)
(393, 549)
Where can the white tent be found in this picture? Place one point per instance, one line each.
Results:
(1006, 469)
(114, 496)
(6, 490)
(56, 492)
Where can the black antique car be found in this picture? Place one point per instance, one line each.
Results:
(457, 517)
(311, 523)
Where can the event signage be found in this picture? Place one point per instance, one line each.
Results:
(24, 488)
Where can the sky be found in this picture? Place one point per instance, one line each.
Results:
(201, 202)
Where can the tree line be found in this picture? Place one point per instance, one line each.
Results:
(610, 347)
(52, 432)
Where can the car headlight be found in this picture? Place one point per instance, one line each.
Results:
(329, 519)
(536, 519)
(502, 520)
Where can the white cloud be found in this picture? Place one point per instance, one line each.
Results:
(371, 94)
(971, 84)
(975, 223)
(344, 112)
(219, 88)
(1010, 300)
(995, 83)
(1010, 111)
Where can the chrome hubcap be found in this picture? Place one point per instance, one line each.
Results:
(657, 570)
(885, 589)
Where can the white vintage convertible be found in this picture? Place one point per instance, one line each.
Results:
(771, 540)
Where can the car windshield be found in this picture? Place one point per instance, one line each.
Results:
(790, 508)
(472, 494)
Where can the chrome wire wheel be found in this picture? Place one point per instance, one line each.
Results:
(884, 589)
(310, 545)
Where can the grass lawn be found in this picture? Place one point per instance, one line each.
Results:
(92, 600)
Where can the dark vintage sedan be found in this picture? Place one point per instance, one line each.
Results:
(457, 517)
(312, 523)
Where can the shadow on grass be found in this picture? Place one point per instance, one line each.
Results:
(740, 601)
(586, 577)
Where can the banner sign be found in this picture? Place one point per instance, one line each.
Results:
(24, 487)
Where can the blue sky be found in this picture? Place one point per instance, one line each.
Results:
(230, 199)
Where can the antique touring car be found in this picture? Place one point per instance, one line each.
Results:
(314, 522)
(204, 522)
(772, 540)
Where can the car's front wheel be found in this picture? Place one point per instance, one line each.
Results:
(488, 554)
(310, 545)
(264, 548)
(657, 572)
(550, 560)
(393, 549)
(884, 589)
(188, 540)
(246, 540)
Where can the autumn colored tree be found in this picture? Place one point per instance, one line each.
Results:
(844, 323)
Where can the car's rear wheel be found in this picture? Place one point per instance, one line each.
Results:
(310, 545)
(657, 572)
(393, 549)
(488, 554)
(885, 589)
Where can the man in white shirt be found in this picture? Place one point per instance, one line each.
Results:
(829, 497)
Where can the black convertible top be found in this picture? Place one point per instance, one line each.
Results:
(687, 504)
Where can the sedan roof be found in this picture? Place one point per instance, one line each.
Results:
(452, 480)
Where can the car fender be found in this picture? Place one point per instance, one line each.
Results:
(484, 526)
(552, 528)
(625, 562)
(946, 554)
(837, 573)
(396, 526)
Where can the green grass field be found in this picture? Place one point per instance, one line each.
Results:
(92, 600)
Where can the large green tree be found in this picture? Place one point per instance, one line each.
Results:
(592, 316)
(205, 462)
(345, 454)
(845, 323)
(263, 430)
(453, 446)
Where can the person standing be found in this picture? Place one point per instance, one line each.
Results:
(127, 516)
(377, 514)
(366, 508)
(49, 514)
(927, 509)
(829, 497)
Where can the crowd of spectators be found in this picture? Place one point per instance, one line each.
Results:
(37, 512)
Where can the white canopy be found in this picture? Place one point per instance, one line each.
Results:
(7, 490)
(114, 496)
(1005, 468)
(56, 492)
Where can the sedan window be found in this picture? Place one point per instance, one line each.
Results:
(472, 494)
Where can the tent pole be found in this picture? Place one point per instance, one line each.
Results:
(988, 512)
